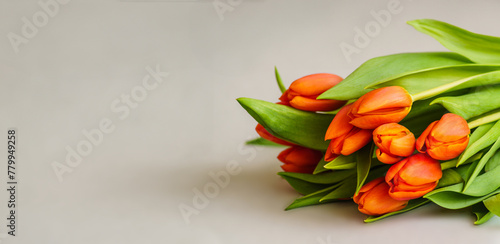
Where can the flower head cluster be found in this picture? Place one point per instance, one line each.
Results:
(375, 116)
(352, 127)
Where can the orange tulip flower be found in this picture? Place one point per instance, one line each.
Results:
(413, 177)
(381, 106)
(303, 92)
(446, 138)
(345, 138)
(373, 198)
(266, 135)
(299, 159)
(394, 142)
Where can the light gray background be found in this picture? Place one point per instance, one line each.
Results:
(128, 189)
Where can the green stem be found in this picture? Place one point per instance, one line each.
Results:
(453, 163)
(484, 120)
(440, 89)
(279, 81)
(448, 164)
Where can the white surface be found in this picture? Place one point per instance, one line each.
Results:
(128, 189)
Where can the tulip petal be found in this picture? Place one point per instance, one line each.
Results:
(340, 124)
(393, 140)
(297, 169)
(266, 135)
(311, 104)
(355, 140)
(315, 84)
(300, 156)
(393, 170)
(384, 98)
(373, 199)
(450, 127)
(282, 156)
(329, 155)
(284, 98)
(387, 158)
(420, 144)
(448, 151)
(421, 169)
(372, 121)
(367, 187)
(403, 146)
(413, 177)
(409, 195)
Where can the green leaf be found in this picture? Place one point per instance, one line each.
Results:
(312, 199)
(303, 187)
(478, 48)
(423, 107)
(320, 167)
(484, 184)
(412, 204)
(342, 162)
(478, 143)
(364, 161)
(482, 217)
(329, 177)
(478, 133)
(386, 68)
(300, 127)
(455, 200)
(482, 213)
(418, 124)
(344, 191)
(493, 162)
(450, 177)
(479, 167)
(262, 142)
(470, 171)
(476, 103)
(433, 82)
(484, 119)
(279, 81)
(493, 204)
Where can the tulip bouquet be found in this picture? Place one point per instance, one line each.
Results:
(399, 132)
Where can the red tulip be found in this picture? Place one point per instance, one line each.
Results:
(394, 142)
(413, 177)
(303, 92)
(381, 106)
(266, 135)
(446, 138)
(373, 198)
(300, 159)
(345, 138)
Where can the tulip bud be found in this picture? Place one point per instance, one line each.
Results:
(303, 92)
(446, 138)
(394, 142)
(266, 135)
(345, 138)
(373, 198)
(381, 106)
(299, 159)
(413, 177)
